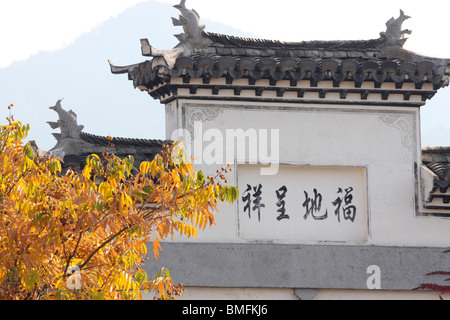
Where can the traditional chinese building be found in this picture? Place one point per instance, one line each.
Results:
(73, 145)
(337, 197)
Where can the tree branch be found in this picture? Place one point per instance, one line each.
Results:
(111, 238)
(73, 254)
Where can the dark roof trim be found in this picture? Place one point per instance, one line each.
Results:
(276, 69)
(232, 41)
(436, 150)
(121, 142)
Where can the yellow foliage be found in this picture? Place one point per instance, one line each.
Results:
(52, 223)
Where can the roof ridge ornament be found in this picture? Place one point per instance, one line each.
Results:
(190, 21)
(191, 40)
(394, 34)
(67, 123)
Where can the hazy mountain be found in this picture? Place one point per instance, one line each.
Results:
(106, 104)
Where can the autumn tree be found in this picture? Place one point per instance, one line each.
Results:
(85, 235)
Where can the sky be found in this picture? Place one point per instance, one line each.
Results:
(29, 27)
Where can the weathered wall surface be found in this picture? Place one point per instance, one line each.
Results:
(341, 199)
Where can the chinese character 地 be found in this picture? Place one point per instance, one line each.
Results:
(313, 206)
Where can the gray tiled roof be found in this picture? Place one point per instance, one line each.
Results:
(206, 55)
(74, 145)
(120, 142)
(221, 40)
(234, 58)
(77, 150)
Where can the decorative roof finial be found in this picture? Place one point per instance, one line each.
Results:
(394, 34)
(67, 123)
(191, 40)
(190, 21)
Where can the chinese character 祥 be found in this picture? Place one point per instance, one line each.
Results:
(257, 205)
(281, 194)
(313, 206)
(247, 198)
(345, 203)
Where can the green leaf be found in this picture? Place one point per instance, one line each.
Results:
(164, 273)
(28, 151)
(234, 194)
(229, 194)
(141, 276)
(148, 190)
(129, 162)
(200, 177)
(55, 166)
